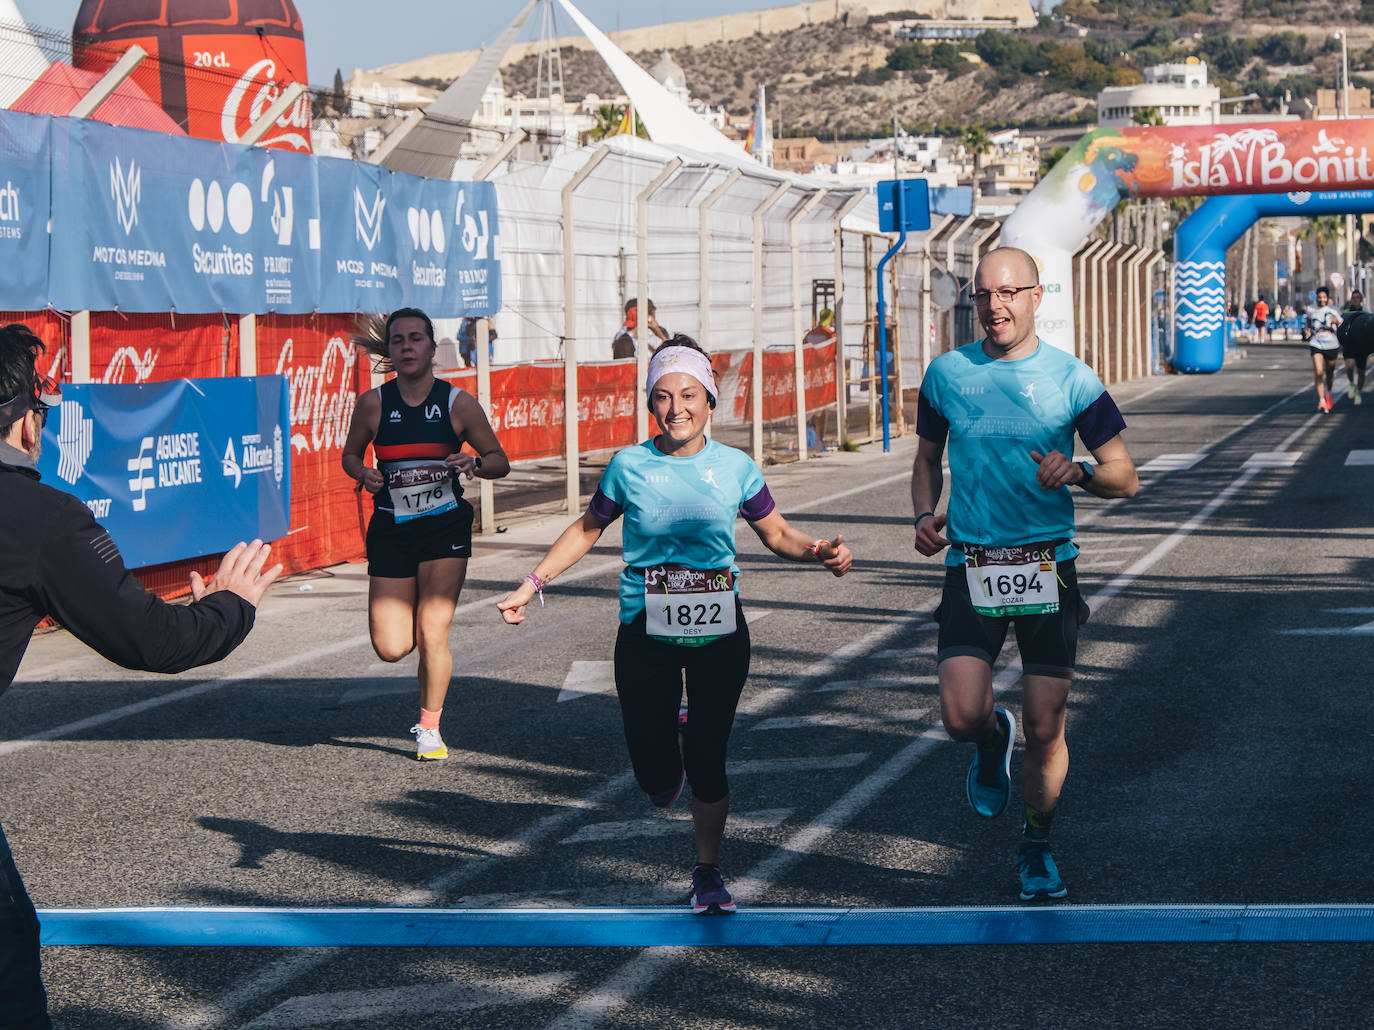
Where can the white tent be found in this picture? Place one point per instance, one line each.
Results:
(23, 58)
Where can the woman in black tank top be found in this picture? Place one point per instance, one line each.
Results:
(420, 536)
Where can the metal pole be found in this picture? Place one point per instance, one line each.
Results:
(841, 365)
(645, 343)
(704, 254)
(897, 203)
(757, 388)
(798, 329)
(570, 328)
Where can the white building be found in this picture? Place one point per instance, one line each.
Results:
(1178, 93)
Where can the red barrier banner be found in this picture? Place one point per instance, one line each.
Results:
(324, 377)
(735, 373)
(156, 348)
(606, 405)
(54, 331)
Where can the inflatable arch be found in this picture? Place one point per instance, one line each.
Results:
(1107, 165)
(1200, 262)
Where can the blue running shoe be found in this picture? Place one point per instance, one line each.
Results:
(989, 777)
(709, 896)
(1039, 875)
(665, 798)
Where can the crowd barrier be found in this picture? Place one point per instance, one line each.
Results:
(325, 373)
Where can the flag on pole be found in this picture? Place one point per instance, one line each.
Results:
(754, 142)
(627, 121)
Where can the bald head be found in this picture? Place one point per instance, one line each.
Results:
(1014, 260)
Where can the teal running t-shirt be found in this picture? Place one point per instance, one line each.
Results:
(678, 511)
(994, 413)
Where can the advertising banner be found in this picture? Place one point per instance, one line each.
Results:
(146, 222)
(178, 469)
(24, 204)
(399, 240)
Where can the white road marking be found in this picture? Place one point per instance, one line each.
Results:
(1365, 630)
(380, 688)
(1272, 460)
(1360, 458)
(842, 720)
(876, 684)
(1172, 462)
(426, 999)
(586, 678)
(671, 824)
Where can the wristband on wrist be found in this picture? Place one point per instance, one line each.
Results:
(538, 584)
(816, 549)
(924, 515)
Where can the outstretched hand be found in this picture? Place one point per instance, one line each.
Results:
(834, 555)
(241, 572)
(928, 539)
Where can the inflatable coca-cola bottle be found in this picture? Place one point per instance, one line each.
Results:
(214, 65)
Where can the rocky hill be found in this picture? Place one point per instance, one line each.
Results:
(844, 79)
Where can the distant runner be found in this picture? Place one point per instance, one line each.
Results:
(1008, 405)
(680, 494)
(420, 536)
(1323, 320)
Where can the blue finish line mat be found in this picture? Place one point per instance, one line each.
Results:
(753, 927)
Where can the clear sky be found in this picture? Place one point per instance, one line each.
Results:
(366, 34)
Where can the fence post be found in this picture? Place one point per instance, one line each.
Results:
(570, 435)
(841, 365)
(79, 357)
(798, 331)
(759, 212)
(642, 296)
(927, 324)
(486, 492)
(704, 254)
(248, 345)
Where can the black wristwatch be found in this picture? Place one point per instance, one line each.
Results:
(1087, 474)
(477, 464)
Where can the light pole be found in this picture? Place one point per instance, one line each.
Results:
(1345, 76)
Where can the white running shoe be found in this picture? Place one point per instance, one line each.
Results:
(429, 746)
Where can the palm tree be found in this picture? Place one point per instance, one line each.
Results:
(976, 143)
(608, 118)
(1323, 231)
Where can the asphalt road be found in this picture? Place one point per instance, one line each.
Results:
(1219, 731)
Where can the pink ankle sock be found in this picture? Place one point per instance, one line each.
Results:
(429, 720)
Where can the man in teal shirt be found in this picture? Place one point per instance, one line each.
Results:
(1008, 406)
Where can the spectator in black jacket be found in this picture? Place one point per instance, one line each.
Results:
(56, 560)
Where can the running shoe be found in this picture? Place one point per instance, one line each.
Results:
(429, 746)
(1326, 404)
(1352, 393)
(1039, 875)
(709, 896)
(1357, 399)
(989, 777)
(664, 798)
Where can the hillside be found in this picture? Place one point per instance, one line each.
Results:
(835, 79)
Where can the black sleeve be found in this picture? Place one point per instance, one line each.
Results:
(84, 585)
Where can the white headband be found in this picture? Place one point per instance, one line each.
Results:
(681, 359)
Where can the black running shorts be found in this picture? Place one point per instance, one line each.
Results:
(395, 550)
(1048, 643)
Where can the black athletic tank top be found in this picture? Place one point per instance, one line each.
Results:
(414, 438)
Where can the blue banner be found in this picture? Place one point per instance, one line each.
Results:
(144, 221)
(179, 469)
(24, 205)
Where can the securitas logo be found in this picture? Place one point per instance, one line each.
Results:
(126, 190)
(217, 211)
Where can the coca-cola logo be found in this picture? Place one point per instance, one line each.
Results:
(255, 91)
(129, 366)
(322, 396)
